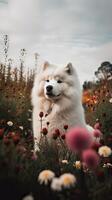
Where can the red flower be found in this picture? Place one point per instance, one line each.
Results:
(100, 175)
(41, 114)
(10, 135)
(65, 127)
(63, 136)
(16, 139)
(78, 139)
(6, 140)
(44, 131)
(48, 123)
(90, 158)
(1, 133)
(55, 136)
(57, 132)
(97, 133)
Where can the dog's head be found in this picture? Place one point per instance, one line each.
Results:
(56, 81)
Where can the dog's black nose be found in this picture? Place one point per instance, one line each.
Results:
(49, 88)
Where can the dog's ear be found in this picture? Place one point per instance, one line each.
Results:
(69, 68)
(46, 64)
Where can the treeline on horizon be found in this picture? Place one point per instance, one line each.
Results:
(16, 85)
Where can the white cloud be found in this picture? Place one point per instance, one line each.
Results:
(60, 31)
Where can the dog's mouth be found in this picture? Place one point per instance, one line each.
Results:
(51, 95)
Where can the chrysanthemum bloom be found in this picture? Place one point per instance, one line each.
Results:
(105, 151)
(90, 158)
(77, 164)
(56, 184)
(78, 139)
(97, 133)
(9, 123)
(45, 176)
(67, 180)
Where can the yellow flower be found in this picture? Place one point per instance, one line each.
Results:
(105, 151)
(45, 176)
(77, 165)
(67, 180)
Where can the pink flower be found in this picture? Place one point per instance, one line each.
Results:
(95, 146)
(78, 139)
(90, 158)
(97, 133)
(97, 126)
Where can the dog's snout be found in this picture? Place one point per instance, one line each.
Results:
(49, 88)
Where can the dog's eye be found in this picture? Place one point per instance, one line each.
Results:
(59, 81)
(47, 80)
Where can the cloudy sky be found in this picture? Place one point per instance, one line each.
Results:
(61, 31)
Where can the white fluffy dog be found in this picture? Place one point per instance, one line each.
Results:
(57, 93)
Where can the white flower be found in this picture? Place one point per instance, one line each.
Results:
(110, 100)
(28, 197)
(45, 176)
(29, 110)
(107, 165)
(105, 151)
(64, 161)
(56, 184)
(21, 127)
(29, 119)
(77, 164)
(9, 123)
(67, 180)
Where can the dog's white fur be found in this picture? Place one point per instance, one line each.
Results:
(65, 106)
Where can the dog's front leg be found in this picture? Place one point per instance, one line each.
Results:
(36, 130)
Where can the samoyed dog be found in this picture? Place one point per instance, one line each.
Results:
(57, 93)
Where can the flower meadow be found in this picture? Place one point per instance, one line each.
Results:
(74, 166)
